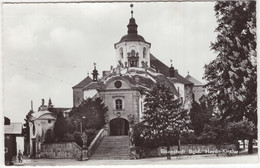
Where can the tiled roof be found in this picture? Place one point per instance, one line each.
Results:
(83, 83)
(162, 68)
(179, 79)
(92, 85)
(14, 128)
(132, 37)
(194, 81)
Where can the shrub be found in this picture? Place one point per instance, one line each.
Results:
(77, 138)
(49, 136)
(91, 134)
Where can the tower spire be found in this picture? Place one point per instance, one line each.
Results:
(171, 70)
(132, 26)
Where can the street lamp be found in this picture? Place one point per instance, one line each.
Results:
(83, 117)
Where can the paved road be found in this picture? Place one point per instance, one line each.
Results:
(203, 159)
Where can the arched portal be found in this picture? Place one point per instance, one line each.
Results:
(119, 126)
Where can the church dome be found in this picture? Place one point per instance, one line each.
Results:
(132, 34)
(132, 37)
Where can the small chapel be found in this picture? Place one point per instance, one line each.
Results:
(122, 87)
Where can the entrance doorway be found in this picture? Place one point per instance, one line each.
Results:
(34, 147)
(119, 126)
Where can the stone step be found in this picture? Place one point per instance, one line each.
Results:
(110, 158)
(111, 152)
(112, 148)
(110, 155)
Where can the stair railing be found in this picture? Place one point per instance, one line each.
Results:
(95, 142)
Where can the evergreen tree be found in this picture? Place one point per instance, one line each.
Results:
(163, 119)
(26, 132)
(60, 127)
(232, 75)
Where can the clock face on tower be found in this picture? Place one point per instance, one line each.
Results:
(118, 84)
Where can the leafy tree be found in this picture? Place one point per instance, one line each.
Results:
(219, 131)
(242, 130)
(163, 119)
(232, 75)
(91, 113)
(200, 116)
(60, 127)
(215, 132)
(137, 137)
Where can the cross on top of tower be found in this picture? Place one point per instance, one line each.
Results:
(132, 10)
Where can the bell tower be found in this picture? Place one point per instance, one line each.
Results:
(132, 50)
(95, 73)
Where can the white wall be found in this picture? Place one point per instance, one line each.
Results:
(138, 47)
(89, 93)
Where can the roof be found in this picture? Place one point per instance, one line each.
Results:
(179, 79)
(14, 128)
(92, 85)
(38, 114)
(193, 80)
(132, 37)
(141, 78)
(83, 83)
(164, 69)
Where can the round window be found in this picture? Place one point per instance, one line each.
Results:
(118, 84)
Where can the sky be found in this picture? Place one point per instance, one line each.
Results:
(49, 48)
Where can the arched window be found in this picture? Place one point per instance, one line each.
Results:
(121, 52)
(119, 104)
(132, 53)
(144, 52)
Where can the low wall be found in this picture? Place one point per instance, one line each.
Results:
(188, 149)
(61, 150)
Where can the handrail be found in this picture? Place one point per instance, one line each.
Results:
(95, 142)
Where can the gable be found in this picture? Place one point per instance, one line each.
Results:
(118, 83)
(83, 83)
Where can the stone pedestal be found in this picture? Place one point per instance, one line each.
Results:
(85, 155)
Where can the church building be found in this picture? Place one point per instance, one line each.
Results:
(122, 88)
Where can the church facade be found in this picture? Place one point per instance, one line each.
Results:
(122, 88)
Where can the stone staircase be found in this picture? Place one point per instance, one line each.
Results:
(112, 148)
